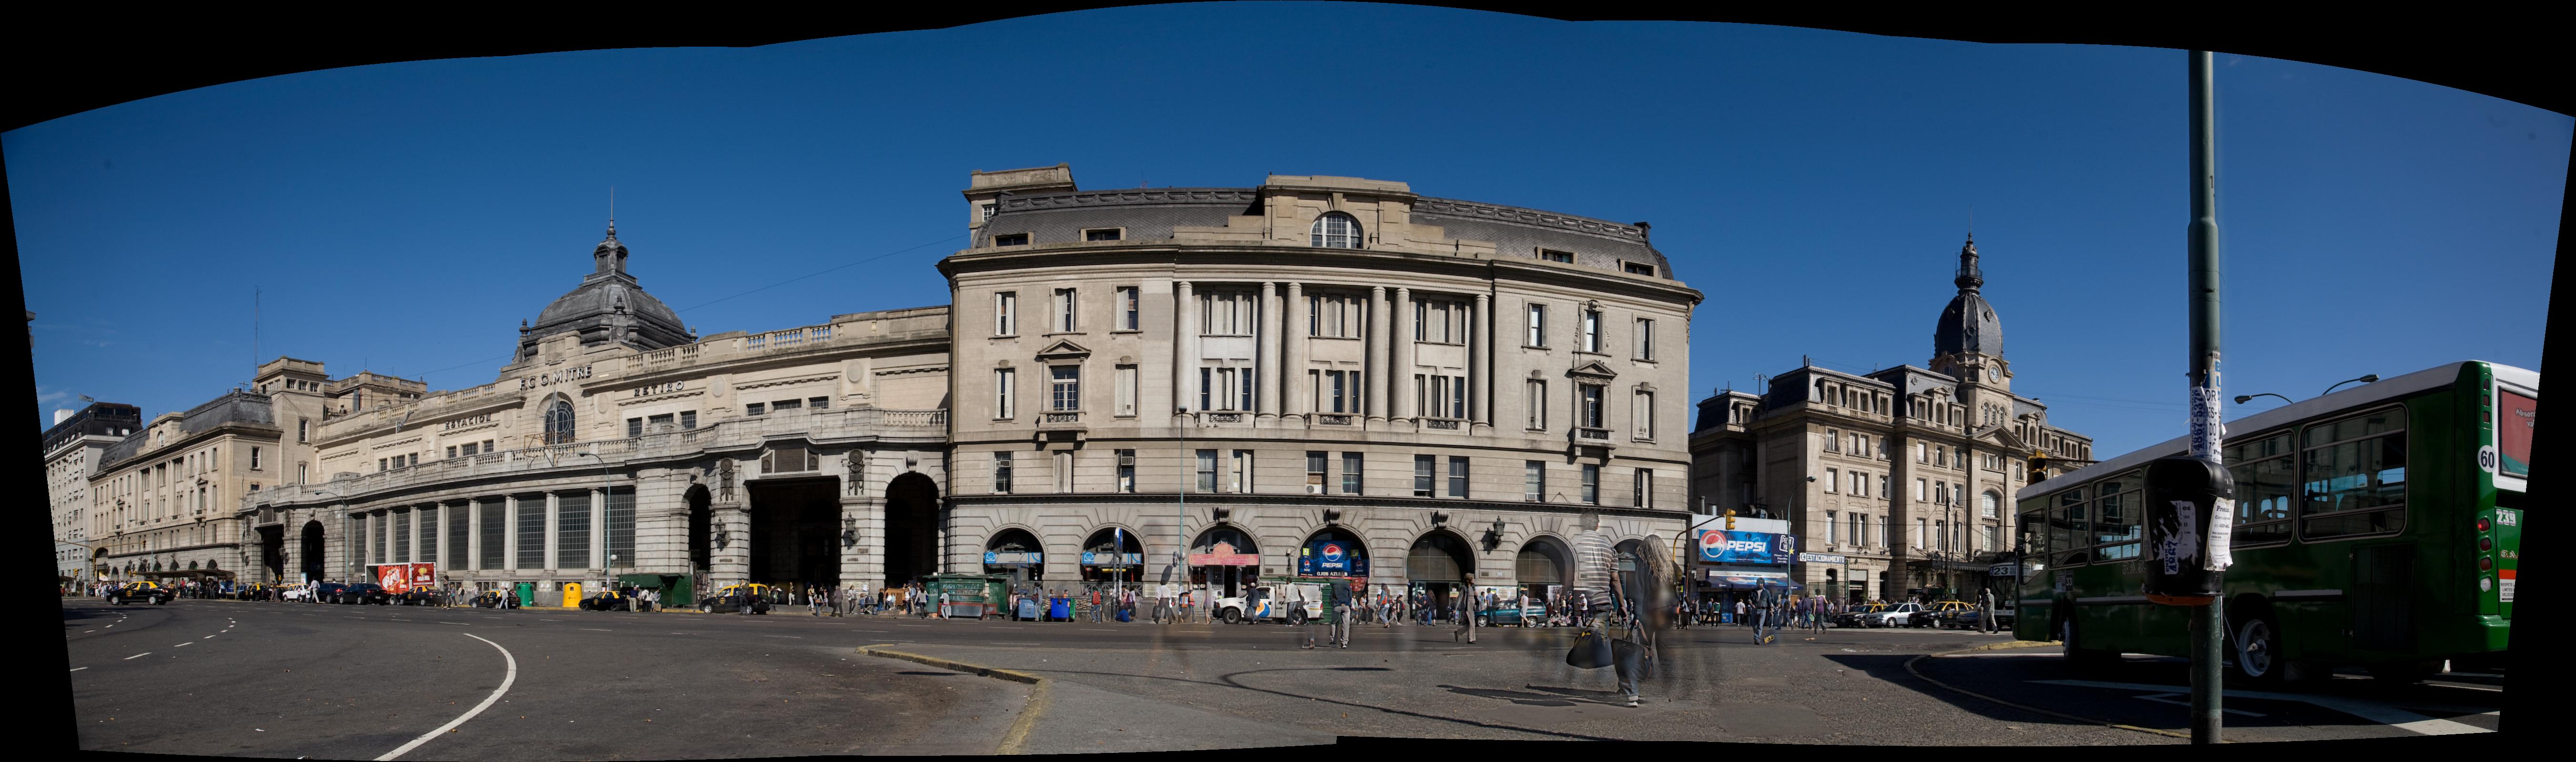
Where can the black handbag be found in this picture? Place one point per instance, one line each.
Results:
(1591, 651)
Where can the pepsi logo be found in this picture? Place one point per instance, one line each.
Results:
(1712, 539)
(1332, 551)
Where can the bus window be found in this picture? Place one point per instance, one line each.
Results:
(2265, 478)
(2517, 418)
(2069, 533)
(2116, 527)
(2355, 475)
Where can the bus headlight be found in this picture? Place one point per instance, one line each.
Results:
(2486, 584)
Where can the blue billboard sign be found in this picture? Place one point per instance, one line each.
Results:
(1718, 546)
(1331, 558)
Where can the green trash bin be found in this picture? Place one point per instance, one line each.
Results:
(527, 595)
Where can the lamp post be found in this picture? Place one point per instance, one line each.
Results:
(2245, 398)
(2372, 378)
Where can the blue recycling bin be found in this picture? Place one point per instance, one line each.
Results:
(1061, 610)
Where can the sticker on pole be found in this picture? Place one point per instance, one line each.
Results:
(2222, 526)
(2206, 428)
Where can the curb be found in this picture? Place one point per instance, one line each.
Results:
(1918, 674)
(1016, 740)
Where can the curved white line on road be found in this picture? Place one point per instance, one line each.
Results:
(511, 676)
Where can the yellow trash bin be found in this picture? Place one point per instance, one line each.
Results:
(572, 595)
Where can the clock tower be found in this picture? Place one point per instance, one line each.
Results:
(1968, 343)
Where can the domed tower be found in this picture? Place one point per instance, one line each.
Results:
(608, 307)
(1968, 343)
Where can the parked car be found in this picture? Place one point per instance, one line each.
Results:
(140, 592)
(328, 592)
(1898, 615)
(1852, 617)
(295, 592)
(1507, 615)
(364, 593)
(607, 601)
(1945, 613)
(418, 598)
(495, 599)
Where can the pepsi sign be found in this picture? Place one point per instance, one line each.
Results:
(1331, 557)
(1718, 546)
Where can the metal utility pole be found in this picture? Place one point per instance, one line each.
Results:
(2207, 627)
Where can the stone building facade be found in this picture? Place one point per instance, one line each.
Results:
(73, 447)
(1907, 472)
(163, 500)
(1145, 376)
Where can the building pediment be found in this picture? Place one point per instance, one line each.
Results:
(2003, 437)
(1063, 349)
(1593, 370)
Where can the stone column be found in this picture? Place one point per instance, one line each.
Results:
(510, 509)
(1265, 370)
(336, 556)
(1185, 332)
(1480, 371)
(1399, 379)
(473, 535)
(599, 532)
(1292, 365)
(865, 563)
(417, 527)
(1377, 354)
(554, 530)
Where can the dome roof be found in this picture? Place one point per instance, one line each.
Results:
(1968, 325)
(609, 306)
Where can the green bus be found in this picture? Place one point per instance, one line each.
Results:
(2377, 526)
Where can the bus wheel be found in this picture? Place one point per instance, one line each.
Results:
(2404, 672)
(2258, 654)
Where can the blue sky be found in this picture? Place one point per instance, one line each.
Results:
(1815, 185)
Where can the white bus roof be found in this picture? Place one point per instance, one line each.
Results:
(2357, 397)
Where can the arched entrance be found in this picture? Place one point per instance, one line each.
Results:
(1438, 569)
(1544, 567)
(309, 551)
(1224, 560)
(911, 529)
(702, 522)
(1112, 554)
(1017, 553)
(795, 526)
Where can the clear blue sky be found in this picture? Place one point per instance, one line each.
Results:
(405, 217)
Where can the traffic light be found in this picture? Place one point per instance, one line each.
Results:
(1730, 520)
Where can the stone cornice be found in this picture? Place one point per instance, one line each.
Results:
(1262, 255)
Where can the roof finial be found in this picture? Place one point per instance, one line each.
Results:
(612, 211)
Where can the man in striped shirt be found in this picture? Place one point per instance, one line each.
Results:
(1595, 582)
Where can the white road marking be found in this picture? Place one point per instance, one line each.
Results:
(595, 629)
(85, 632)
(189, 643)
(798, 637)
(463, 623)
(511, 676)
(77, 669)
(136, 656)
(209, 636)
(2373, 711)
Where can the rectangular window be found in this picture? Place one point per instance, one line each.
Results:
(1922, 453)
(254, 458)
(2354, 475)
(1207, 471)
(1001, 473)
(1126, 391)
(1940, 455)
(496, 527)
(1592, 330)
(1351, 473)
(1553, 255)
(402, 536)
(756, 408)
(1645, 340)
(1534, 399)
(572, 546)
(1645, 493)
(1833, 532)
(1101, 234)
(1591, 484)
(658, 423)
(782, 405)
(451, 452)
(412, 459)
(303, 473)
(532, 533)
(1534, 480)
(1457, 476)
(1065, 306)
(303, 430)
(1920, 490)
(1127, 471)
(1011, 239)
(1242, 472)
(1006, 313)
(1422, 476)
(818, 403)
(1994, 538)
(634, 427)
(1644, 412)
(1127, 312)
(1538, 325)
(1591, 407)
(1063, 472)
(1919, 530)
(1832, 477)
(1226, 313)
(1003, 380)
(1860, 484)
(2267, 482)
(1207, 388)
(1065, 387)
(688, 421)
(1315, 464)
(1637, 268)
(1940, 536)
(621, 528)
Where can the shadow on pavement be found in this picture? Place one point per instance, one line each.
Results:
(1516, 697)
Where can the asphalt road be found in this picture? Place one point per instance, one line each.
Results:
(287, 680)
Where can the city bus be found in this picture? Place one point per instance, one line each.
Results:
(2377, 526)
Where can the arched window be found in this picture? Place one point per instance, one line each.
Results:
(559, 422)
(1989, 505)
(1335, 230)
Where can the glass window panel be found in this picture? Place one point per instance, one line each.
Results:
(572, 547)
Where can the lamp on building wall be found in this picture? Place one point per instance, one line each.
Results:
(1332, 515)
(1494, 536)
(722, 537)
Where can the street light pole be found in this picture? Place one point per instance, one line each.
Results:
(2202, 295)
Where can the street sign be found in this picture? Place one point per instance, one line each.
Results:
(1822, 558)
(2001, 570)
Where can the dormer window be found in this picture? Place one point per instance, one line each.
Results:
(1335, 230)
(1011, 239)
(1553, 255)
(1638, 268)
(1104, 234)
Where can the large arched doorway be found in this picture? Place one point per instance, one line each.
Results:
(1224, 560)
(309, 551)
(911, 529)
(1017, 553)
(1544, 568)
(1112, 555)
(702, 522)
(1438, 569)
(795, 526)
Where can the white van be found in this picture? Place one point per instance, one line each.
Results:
(1278, 602)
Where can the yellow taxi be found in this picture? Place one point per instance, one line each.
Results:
(1856, 615)
(1945, 613)
(140, 592)
(732, 597)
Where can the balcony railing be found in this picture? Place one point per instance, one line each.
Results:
(1590, 433)
(1225, 417)
(1444, 424)
(1063, 418)
(1333, 419)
